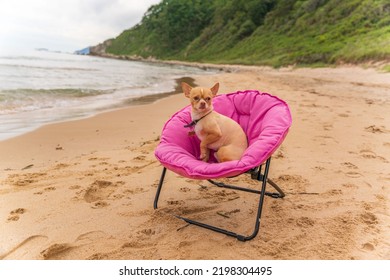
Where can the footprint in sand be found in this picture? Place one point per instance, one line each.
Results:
(369, 218)
(55, 251)
(349, 165)
(75, 187)
(293, 183)
(175, 202)
(350, 186)
(99, 190)
(136, 190)
(61, 166)
(98, 159)
(48, 189)
(368, 154)
(100, 204)
(279, 153)
(328, 126)
(353, 174)
(23, 180)
(139, 158)
(368, 247)
(147, 231)
(376, 129)
(84, 244)
(15, 214)
(305, 222)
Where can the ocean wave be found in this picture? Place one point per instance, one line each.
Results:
(23, 100)
(9, 65)
(28, 93)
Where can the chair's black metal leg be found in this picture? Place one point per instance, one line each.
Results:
(262, 192)
(259, 209)
(213, 228)
(261, 201)
(227, 186)
(277, 188)
(159, 188)
(258, 176)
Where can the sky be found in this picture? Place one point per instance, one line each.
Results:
(66, 25)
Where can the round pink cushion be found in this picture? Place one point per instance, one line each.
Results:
(264, 118)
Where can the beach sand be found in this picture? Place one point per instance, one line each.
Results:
(84, 189)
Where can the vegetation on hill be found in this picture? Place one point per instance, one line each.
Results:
(261, 32)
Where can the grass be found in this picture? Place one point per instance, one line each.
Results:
(292, 32)
(386, 68)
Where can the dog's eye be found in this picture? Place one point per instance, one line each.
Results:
(208, 98)
(196, 98)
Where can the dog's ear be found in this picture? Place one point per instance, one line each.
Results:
(186, 89)
(214, 89)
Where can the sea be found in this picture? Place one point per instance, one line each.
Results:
(42, 87)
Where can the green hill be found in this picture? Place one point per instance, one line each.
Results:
(261, 32)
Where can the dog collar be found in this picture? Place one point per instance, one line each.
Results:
(194, 122)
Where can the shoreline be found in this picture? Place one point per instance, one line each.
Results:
(377, 65)
(84, 189)
(132, 101)
(201, 65)
(147, 99)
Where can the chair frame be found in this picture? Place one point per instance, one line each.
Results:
(256, 174)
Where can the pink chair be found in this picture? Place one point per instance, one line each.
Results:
(264, 118)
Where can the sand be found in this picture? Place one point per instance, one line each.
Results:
(84, 189)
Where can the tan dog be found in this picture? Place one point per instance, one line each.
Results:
(215, 131)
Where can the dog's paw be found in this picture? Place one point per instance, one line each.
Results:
(204, 157)
(204, 154)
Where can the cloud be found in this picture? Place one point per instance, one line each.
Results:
(66, 24)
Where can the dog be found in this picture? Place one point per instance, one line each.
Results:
(215, 131)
